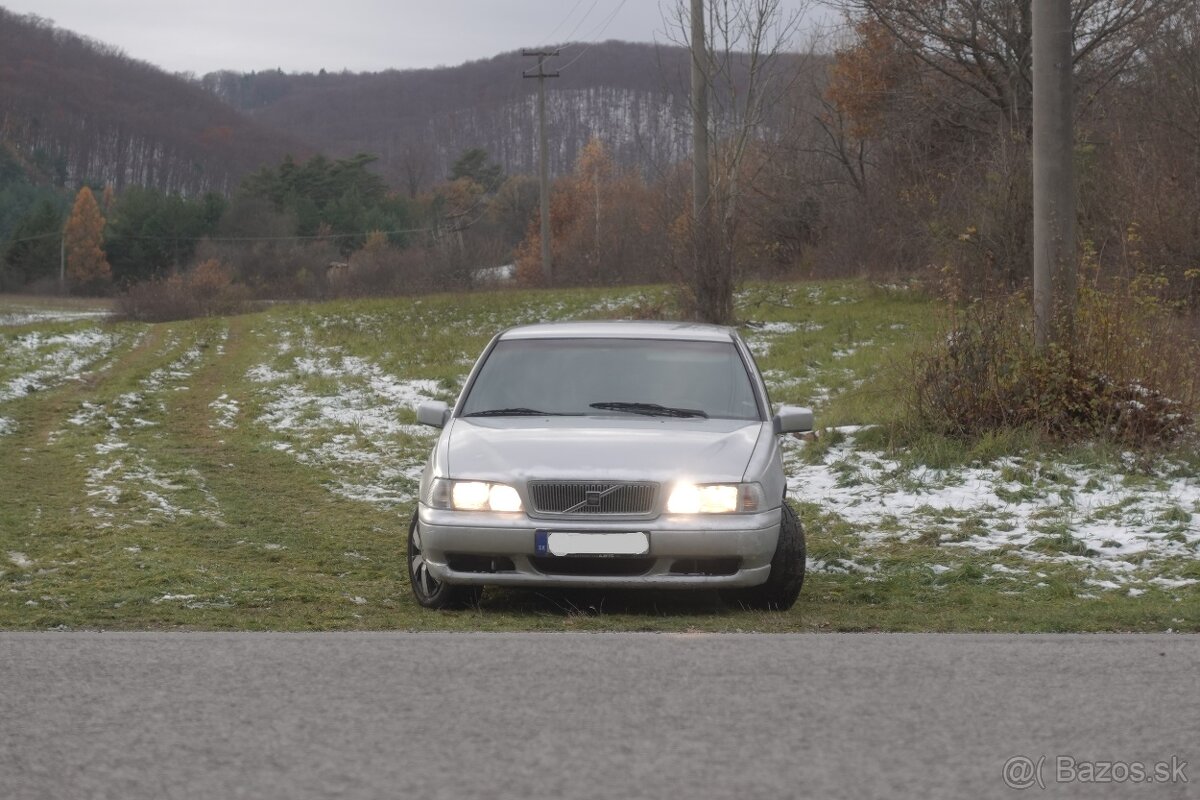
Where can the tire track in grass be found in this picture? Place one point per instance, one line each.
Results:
(42, 492)
(127, 483)
(142, 512)
(130, 490)
(290, 553)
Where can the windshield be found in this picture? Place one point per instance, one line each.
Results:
(617, 377)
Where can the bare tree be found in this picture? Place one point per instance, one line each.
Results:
(747, 41)
(987, 45)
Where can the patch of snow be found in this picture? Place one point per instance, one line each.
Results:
(352, 430)
(20, 559)
(227, 411)
(777, 379)
(166, 598)
(1099, 584)
(610, 304)
(761, 335)
(1103, 516)
(264, 374)
(761, 348)
(1173, 583)
(46, 361)
(30, 316)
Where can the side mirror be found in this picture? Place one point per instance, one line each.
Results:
(793, 419)
(433, 412)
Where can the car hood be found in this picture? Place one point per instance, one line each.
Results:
(658, 449)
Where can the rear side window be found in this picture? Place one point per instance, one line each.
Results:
(566, 376)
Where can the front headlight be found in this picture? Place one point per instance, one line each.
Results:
(472, 496)
(715, 498)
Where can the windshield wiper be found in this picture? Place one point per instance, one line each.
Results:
(515, 412)
(650, 409)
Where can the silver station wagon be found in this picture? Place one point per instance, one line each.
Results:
(609, 454)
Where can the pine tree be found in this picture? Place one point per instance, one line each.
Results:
(87, 267)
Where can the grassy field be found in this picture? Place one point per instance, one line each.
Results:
(258, 472)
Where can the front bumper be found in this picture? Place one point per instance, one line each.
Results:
(695, 551)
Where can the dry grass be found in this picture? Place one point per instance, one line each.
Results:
(1126, 373)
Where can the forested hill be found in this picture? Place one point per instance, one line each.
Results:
(633, 96)
(76, 110)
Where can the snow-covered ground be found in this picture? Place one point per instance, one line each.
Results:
(37, 361)
(13, 316)
(1119, 525)
(344, 413)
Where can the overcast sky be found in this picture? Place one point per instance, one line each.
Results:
(360, 35)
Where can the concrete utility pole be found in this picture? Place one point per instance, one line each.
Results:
(62, 262)
(540, 73)
(1053, 171)
(700, 180)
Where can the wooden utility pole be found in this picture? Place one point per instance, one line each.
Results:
(1053, 171)
(540, 73)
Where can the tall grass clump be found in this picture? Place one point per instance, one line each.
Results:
(1126, 372)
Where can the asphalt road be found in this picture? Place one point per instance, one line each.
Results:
(441, 715)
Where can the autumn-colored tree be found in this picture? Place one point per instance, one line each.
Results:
(863, 77)
(208, 281)
(87, 266)
(601, 228)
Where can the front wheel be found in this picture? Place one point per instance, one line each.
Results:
(782, 587)
(428, 590)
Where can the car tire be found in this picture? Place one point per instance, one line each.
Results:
(428, 591)
(782, 586)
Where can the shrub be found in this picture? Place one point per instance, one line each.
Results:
(207, 290)
(1128, 373)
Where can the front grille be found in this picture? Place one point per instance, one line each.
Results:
(581, 497)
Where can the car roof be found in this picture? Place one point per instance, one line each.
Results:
(621, 329)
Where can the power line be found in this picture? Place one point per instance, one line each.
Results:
(35, 238)
(595, 33)
(582, 20)
(297, 238)
(294, 238)
(570, 14)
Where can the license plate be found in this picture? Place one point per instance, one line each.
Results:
(572, 543)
